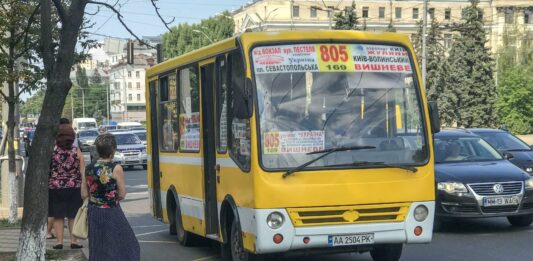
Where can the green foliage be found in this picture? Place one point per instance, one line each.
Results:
(347, 19)
(188, 37)
(515, 80)
(471, 92)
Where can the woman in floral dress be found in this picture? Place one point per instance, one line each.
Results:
(64, 184)
(110, 235)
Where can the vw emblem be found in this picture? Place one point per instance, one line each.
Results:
(498, 188)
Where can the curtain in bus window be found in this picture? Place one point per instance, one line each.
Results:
(168, 114)
(189, 118)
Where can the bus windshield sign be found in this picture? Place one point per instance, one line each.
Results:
(313, 97)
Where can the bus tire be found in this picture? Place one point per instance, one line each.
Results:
(185, 238)
(387, 252)
(237, 250)
(520, 221)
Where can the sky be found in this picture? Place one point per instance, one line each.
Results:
(140, 15)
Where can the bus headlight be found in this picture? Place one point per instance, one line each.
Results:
(452, 187)
(529, 183)
(421, 213)
(275, 220)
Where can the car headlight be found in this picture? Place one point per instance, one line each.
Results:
(529, 183)
(275, 220)
(529, 170)
(452, 187)
(421, 213)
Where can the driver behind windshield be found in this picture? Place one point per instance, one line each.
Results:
(453, 151)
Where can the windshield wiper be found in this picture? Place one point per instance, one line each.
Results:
(326, 152)
(383, 164)
(518, 150)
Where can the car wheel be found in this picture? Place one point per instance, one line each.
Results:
(237, 250)
(387, 252)
(438, 224)
(520, 221)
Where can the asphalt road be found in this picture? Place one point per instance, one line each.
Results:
(477, 239)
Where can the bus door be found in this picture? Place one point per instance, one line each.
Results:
(154, 140)
(209, 151)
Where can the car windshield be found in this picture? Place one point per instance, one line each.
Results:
(127, 139)
(87, 125)
(141, 135)
(503, 141)
(84, 134)
(307, 102)
(464, 149)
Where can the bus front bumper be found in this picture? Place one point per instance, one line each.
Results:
(320, 237)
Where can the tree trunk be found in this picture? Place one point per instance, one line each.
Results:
(13, 178)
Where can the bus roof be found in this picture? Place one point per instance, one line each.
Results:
(249, 39)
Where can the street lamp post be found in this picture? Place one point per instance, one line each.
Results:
(204, 34)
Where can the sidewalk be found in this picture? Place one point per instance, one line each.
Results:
(9, 239)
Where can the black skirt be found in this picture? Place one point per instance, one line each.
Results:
(64, 203)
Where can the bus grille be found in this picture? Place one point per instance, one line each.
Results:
(320, 216)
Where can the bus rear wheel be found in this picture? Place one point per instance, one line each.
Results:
(387, 252)
(185, 238)
(237, 250)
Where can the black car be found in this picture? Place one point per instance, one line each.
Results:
(474, 180)
(516, 150)
(28, 138)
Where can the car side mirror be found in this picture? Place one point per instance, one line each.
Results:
(434, 116)
(507, 155)
(243, 100)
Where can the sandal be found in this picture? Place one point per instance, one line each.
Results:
(51, 236)
(58, 246)
(76, 246)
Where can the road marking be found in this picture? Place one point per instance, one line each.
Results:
(149, 233)
(157, 242)
(149, 226)
(205, 258)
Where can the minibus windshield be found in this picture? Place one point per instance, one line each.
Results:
(313, 97)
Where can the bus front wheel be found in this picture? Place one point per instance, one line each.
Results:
(387, 252)
(237, 250)
(184, 237)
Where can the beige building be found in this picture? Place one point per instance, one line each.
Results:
(272, 15)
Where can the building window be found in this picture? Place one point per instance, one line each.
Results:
(480, 14)
(129, 74)
(527, 17)
(448, 41)
(313, 11)
(431, 13)
(398, 12)
(137, 74)
(189, 117)
(129, 85)
(295, 11)
(138, 97)
(129, 97)
(168, 114)
(447, 14)
(138, 85)
(509, 16)
(365, 12)
(382, 12)
(415, 13)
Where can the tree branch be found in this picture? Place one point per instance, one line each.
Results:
(95, 12)
(46, 37)
(119, 16)
(4, 96)
(161, 18)
(26, 31)
(60, 9)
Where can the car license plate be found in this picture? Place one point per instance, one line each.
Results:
(132, 158)
(500, 201)
(347, 240)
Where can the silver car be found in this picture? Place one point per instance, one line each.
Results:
(130, 150)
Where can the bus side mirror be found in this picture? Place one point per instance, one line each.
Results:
(434, 116)
(243, 100)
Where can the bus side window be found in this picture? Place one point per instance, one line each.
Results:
(168, 119)
(239, 141)
(221, 86)
(189, 117)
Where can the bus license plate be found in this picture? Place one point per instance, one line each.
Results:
(347, 240)
(500, 201)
